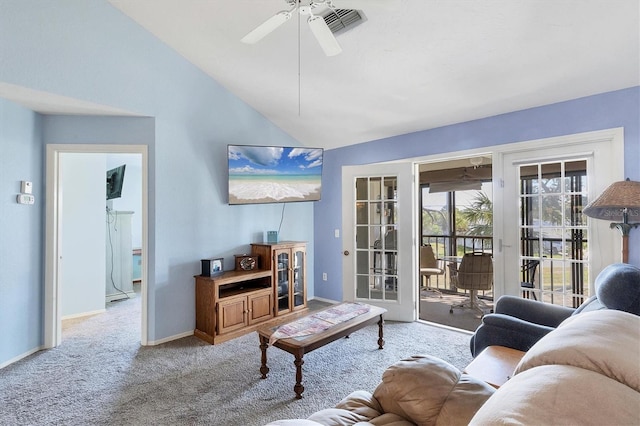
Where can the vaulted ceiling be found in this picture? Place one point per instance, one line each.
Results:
(411, 65)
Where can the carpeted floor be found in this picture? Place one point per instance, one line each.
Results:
(100, 375)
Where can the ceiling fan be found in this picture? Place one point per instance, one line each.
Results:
(316, 23)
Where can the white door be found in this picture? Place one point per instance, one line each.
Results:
(543, 198)
(378, 225)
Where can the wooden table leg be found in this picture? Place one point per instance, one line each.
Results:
(380, 333)
(264, 344)
(298, 388)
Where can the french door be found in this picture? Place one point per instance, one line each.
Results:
(378, 223)
(543, 222)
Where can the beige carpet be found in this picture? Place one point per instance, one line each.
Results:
(100, 375)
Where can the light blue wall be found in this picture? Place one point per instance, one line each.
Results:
(615, 109)
(21, 232)
(88, 50)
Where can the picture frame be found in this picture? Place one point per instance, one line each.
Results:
(212, 267)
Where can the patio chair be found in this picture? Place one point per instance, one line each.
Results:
(529, 269)
(429, 265)
(475, 273)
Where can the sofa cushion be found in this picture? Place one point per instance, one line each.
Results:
(584, 372)
(429, 391)
(560, 395)
(605, 342)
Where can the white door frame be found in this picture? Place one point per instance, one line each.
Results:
(52, 305)
(599, 147)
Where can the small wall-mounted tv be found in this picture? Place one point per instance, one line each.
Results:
(115, 179)
(274, 174)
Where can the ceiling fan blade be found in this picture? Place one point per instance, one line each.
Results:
(266, 27)
(324, 36)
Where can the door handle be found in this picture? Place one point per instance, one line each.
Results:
(346, 252)
(501, 245)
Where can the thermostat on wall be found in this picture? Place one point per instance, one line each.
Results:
(25, 199)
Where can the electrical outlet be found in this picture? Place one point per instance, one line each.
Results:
(324, 276)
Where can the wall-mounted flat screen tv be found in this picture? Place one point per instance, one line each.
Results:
(274, 174)
(115, 179)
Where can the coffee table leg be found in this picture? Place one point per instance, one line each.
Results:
(298, 388)
(264, 344)
(380, 333)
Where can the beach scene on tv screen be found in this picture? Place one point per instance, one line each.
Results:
(267, 174)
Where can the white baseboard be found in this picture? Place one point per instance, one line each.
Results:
(322, 299)
(170, 338)
(83, 314)
(118, 296)
(19, 357)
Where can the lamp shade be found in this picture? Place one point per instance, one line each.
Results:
(611, 203)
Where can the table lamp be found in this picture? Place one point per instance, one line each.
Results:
(620, 202)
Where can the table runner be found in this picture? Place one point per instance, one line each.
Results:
(320, 321)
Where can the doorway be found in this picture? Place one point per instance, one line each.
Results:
(455, 218)
(54, 238)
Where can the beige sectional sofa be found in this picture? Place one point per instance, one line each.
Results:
(587, 371)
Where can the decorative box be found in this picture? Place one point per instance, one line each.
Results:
(246, 262)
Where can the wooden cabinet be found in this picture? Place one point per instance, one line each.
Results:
(288, 262)
(238, 302)
(232, 304)
(240, 311)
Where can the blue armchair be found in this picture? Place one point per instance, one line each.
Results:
(519, 323)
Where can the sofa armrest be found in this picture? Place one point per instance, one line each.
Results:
(533, 311)
(505, 330)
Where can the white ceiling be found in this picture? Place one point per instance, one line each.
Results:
(413, 65)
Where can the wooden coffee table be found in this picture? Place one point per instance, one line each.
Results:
(494, 365)
(298, 346)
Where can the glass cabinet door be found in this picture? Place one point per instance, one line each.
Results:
(282, 257)
(298, 278)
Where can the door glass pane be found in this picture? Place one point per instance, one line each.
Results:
(362, 237)
(375, 188)
(362, 189)
(551, 181)
(362, 287)
(362, 213)
(376, 213)
(553, 229)
(376, 250)
(551, 212)
(362, 262)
